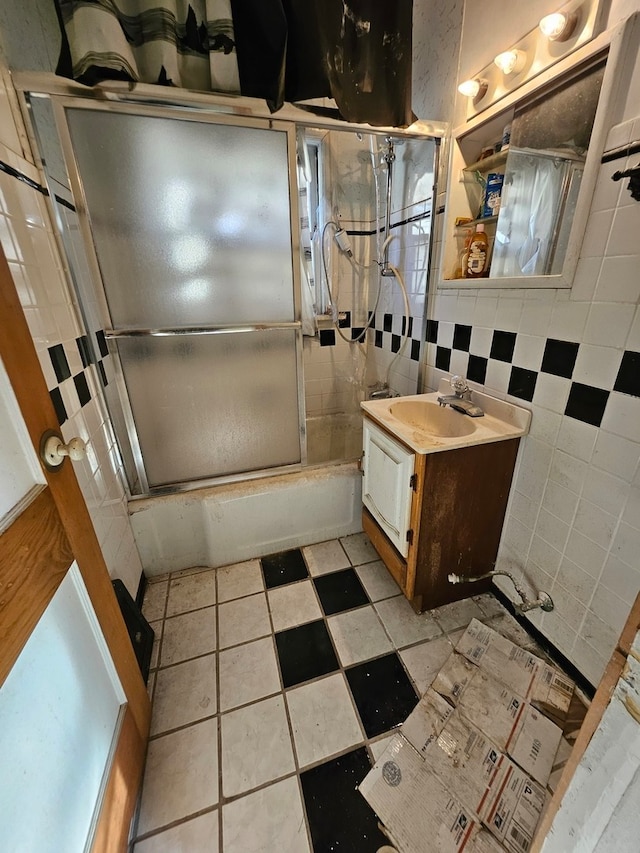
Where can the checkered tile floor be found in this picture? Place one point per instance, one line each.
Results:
(275, 684)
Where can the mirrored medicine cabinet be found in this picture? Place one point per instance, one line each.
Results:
(525, 169)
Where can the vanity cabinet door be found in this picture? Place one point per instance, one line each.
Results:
(386, 488)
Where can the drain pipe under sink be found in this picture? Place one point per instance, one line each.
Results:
(543, 601)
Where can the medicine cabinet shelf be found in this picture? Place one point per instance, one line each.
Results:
(558, 125)
(473, 222)
(490, 163)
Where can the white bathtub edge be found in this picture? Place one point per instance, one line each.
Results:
(222, 525)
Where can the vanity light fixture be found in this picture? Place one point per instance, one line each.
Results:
(558, 26)
(511, 61)
(473, 88)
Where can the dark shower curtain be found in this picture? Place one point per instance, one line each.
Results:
(357, 52)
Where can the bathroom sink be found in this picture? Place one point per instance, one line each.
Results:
(421, 424)
(432, 418)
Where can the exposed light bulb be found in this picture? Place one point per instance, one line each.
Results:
(558, 26)
(472, 88)
(510, 61)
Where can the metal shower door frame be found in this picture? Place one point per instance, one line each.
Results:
(60, 104)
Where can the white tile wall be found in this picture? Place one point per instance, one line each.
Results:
(573, 523)
(334, 375)
(38, 271)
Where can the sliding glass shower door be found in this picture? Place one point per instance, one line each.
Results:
(191, 222)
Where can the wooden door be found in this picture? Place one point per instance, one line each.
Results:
(36, 551)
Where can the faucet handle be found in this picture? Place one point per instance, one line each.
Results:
(459, 384)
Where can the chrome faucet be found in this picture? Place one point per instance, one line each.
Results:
(460, 400)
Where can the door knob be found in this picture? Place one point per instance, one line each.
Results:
(53, 450)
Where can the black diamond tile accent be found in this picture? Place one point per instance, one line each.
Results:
(628, 378)
(59, 361)
(83, 348)
(340, 591)
(559, 357)
(431, 331)
(327, 337)
(477, 369)
(371, 320)
(395, 343)
(283, 567)
(586, 404)
(387, 322)
(502, 345)
(443, 358)
(522, 383)
(415, 350)
(340, 819)
(103, 374)
(356, 332)
(378, 338)
(382, 692)
(344, 322)
(461, 337)
(305, 652)
(102, 343)
(58, 405)
(84, 395)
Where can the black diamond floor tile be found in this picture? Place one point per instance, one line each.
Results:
(305, 652)
(382, 692)
(339, 817)
(340, 591)
(284, 567)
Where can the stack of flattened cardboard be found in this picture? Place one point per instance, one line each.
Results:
(468, 769)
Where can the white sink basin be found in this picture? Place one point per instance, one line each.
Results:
(424, 426)
(432, 418)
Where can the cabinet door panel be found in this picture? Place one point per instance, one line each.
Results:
(386, 490)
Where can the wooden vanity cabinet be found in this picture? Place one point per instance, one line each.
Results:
(459, 499)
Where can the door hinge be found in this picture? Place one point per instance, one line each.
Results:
(413, 482)
(361, 463)
(410, 537)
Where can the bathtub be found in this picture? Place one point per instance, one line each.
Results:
(230, 523)
(334, 438)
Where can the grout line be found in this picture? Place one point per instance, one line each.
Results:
(160, 829)
(182, 727)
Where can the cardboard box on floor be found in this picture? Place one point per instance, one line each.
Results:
(454, 763)
(544, 686)
(417, 809)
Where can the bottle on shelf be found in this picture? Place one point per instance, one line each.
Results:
(458, 270)
(476, 258)
(492, 194)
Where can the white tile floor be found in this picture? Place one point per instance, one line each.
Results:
(230, 742)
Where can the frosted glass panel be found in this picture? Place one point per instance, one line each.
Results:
(59, 709)
(190, 219)
(213, 405)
